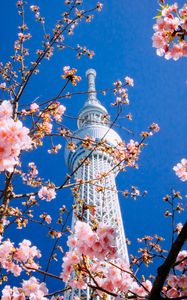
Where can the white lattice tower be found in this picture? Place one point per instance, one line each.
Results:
(102, 194)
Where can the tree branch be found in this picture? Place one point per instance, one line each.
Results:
(164, 269)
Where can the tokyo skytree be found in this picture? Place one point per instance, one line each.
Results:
(88, 164)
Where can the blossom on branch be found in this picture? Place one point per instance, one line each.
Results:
(46, 193)
(14, 138)
(31, 288)
(170, 32)
(181, 169)
(16, 259)
(94, 260)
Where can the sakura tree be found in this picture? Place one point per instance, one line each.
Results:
(93, 259)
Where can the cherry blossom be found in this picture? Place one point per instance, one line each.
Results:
(95, 249)
(46, 193)
(5, 110)
(129, 81)
(14, 138)
(182, 260)
(71, 75)
(47, 218)
(54, 149)
(181, 169)
(15, 259)
(34, 107)
(31, 288)
(170, 32)
(99, 6)
(179, 227)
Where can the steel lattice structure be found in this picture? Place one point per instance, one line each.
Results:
(99, 193)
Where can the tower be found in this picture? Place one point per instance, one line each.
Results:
(90, 163)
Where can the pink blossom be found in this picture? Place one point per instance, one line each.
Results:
(59, 112)
(30, 286)
(129, 81)
(5, 110)
(159, 26)
(172, 293)
(66, 69)
(48, 219)
(159, 40)
(167, 37)
(181, 169)
(99, 6)
(5, 249)
(154, 127)
(55, 149)
(14, 138)
(172, 280)
(166, 12)
(179, 227)
(175, 52)
(34, 107)
(11, 258)
(183, 10)
(184, 25)
(34, 8)
(182, 256)
(78, 284)
(6, 293)
(182, 283)
(184, 49)
(72, 241)
(141, 290)
(34, 289)
(46, 193)
(3, 85)
(171, 24)
(16, 270)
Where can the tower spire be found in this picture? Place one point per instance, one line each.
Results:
(92, 111)
(91, 75)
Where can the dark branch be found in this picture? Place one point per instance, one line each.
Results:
(164, 269)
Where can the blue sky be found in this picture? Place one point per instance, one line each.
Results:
(121, 38)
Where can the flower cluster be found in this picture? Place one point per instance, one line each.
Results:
(54, 149)
(88, 142)
(71, 75)
(36, 10)
(181, 169)
(14, 260)
(133, 193)
(128, 153)
(30, 178)
(82, 50)
(34, 107)
(47, 218)
(53, 111)
(129, 81)
(94, 255)
(99, 6)
(170, 32)
(181, 262)
(177, 283)
(150, 249)
(99, 243)
(14, 138)
(31, 288)
(177, 286)
(47, 193)
(121, 92)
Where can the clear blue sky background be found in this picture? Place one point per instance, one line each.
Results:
(121, 38)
